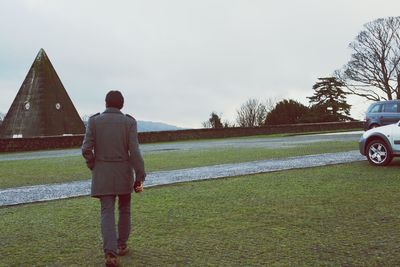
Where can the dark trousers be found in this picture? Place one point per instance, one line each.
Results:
(111, 239)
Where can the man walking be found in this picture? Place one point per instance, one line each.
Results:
(111, 151)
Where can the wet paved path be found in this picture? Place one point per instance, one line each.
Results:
(29, 194)
(247, 142)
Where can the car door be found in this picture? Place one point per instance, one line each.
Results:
(396, 138)
(390, 113)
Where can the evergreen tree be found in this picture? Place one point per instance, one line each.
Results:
(330, 99)
(286, 112)
(213, 122)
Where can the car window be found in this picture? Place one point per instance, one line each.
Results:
(376, 108)
(390, 107)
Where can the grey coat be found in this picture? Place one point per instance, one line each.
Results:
(111, 150)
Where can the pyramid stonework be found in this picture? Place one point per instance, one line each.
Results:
(42, 106)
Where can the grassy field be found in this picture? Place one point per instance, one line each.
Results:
(341, 215)
(72, 168)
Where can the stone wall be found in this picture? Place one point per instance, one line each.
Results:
(40, 143)
(54, 142)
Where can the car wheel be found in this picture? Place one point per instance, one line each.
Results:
(378, 153)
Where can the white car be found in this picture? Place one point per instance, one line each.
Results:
(381, 144)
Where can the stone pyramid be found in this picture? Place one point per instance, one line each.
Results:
(42, 106)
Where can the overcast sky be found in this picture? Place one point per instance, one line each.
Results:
(177, 61)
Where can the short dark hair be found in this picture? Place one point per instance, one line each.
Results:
(114, 99)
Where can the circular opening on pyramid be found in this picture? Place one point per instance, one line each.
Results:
(27, 105)
(58, 106)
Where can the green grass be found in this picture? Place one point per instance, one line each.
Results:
(297, 134)
(342, 215)
(189, 159)
(55, 170)
(275, 135)
(41, 171)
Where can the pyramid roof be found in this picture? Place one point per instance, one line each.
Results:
(42, 106)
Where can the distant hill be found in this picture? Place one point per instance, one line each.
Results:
(150, 126)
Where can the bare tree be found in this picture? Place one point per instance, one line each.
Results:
(206, 124)
(270, 104)
(2, 116)
(228, 124)
(252, 113)
(373, 71)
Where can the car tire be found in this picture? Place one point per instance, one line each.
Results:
(378, 153)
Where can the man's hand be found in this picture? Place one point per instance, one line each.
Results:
(90, 164)
(138, 186)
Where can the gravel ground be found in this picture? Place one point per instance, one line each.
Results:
(251, 142)
(30, 194)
